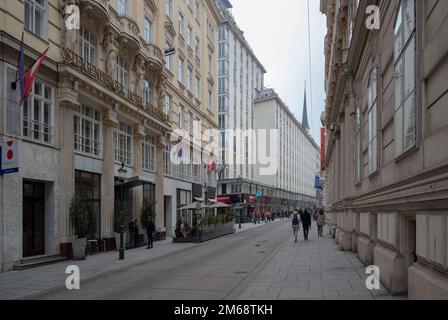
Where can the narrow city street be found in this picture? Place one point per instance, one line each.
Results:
(259, 264)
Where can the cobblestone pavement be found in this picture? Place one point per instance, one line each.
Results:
(315, 270)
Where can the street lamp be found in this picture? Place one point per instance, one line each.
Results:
(121, 173)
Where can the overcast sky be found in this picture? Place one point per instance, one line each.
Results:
(277, 31)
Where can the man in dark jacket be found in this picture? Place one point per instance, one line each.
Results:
(150, 228)
(306, 222)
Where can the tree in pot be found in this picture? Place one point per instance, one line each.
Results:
(80, 219)
(148, 213)
(119, 220)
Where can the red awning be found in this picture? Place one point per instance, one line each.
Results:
(225, 200)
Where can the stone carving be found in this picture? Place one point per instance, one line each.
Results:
(139, 69)
(110, 49)
(70, 37)
(161, 87)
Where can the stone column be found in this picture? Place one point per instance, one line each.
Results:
(68, 102)
(137, 192)
(160, 192)
(108, 180)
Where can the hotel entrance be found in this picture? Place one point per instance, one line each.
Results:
(33, 219)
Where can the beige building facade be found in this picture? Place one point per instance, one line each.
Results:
(106, 95)
(387, 125)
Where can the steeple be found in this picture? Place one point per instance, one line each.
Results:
(305, 122)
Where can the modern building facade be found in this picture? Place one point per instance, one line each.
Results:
(106, 95)
(387, 124)
(240, 79)
(298, 155)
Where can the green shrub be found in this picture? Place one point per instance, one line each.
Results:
(79, 217)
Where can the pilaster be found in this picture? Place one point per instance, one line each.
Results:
(108, 181)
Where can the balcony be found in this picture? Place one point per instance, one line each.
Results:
(96, 8)
(154, 57)
(128, 30)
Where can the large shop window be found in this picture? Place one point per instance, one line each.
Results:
(88, 187)
(405, 84)
(88, 131)
(183, 198)
(149, 154)
(123, 144)
(35, 16)
(149, 193)
(87, 45)
(38, 114)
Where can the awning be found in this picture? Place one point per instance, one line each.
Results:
(194, 206)
(134, 182)
(225, 200)
(219, 205)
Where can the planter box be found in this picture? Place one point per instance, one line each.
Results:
(79, 248)
(209, 232)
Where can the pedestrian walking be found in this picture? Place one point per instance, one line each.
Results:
(136, 233)
(306, 223)
(295, 225)
(150, 228)
(320, 222)
(131, 229)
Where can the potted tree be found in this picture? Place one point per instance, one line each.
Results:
(119, 220)
(148, 213)
(79, 216)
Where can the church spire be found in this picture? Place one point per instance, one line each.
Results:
(305, 122)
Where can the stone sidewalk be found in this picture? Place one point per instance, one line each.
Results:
(314, 270)
(28, 283)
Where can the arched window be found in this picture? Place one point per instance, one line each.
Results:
(87, 45)
(405, 84)
(373, 120)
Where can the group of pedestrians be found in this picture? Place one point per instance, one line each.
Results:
(134, 233)
(305, 217)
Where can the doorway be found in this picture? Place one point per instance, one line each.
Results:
(33, 219)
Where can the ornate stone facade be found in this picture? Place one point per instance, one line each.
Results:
(387, 169)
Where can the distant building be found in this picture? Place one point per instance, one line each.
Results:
(298, 155)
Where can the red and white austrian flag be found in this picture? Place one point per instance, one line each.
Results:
(10, 154)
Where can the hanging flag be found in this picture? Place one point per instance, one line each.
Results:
(221, 171)
(20, 73)
(317, 183)
(180, 147)
(211, 165)
(30, 75)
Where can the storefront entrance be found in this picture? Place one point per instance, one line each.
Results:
(33, 219)
(87, 186)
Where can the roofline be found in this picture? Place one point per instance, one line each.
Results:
(285, 107)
